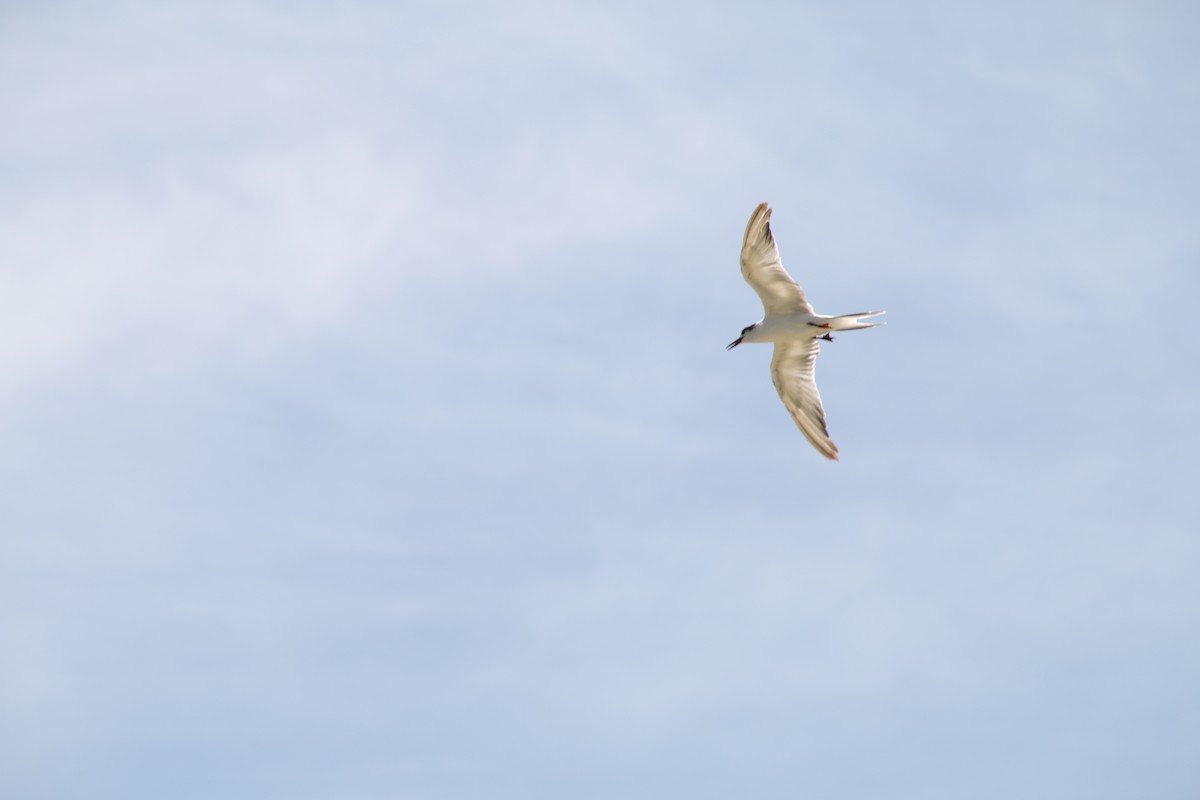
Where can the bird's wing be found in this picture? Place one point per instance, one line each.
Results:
(763, 269)
(792, 371)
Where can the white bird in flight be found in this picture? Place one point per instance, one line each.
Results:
(790, 322)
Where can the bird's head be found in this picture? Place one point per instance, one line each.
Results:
(746, 331)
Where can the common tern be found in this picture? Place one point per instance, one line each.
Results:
(790, 322)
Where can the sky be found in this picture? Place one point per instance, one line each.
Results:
(367, 431)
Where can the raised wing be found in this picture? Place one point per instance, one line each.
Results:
(792, 371)
(763, 269)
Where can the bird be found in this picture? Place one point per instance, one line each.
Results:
(791, 324)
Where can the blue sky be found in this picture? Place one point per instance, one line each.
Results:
(367, 430)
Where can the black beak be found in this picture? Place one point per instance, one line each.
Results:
(734, 343)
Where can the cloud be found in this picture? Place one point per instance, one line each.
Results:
(237, 198)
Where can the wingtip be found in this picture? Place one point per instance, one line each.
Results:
(827, 449)
(760, 220)
(817, 436)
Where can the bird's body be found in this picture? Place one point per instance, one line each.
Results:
(790, 322)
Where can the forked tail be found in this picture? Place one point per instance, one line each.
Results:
(853, 322)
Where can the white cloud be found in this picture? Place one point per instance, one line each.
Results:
(221, 200)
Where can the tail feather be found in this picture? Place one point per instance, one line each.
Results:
(853, 322)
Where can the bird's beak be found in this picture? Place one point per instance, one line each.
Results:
(734, 343)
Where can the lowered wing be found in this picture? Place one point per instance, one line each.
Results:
(792, 370)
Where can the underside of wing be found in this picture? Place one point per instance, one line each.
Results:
(792, 370)
(763, 269)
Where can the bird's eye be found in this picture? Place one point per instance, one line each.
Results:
(747, 329)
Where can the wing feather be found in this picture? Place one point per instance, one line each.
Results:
(763, 269)
(793, 371)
